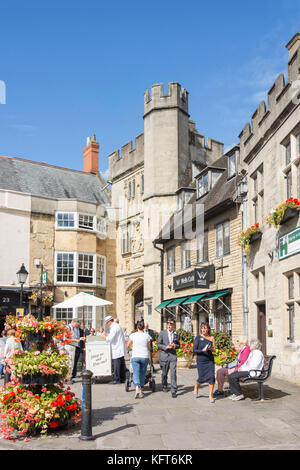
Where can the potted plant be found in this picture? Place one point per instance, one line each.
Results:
(185, 352)
(35, 399)
(248, 236)
(283, 212)
(24, 411)
(225, 351)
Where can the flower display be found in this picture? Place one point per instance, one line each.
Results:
(47, 298)
(24, 411)
(277, 213)
(25, 363)
(186, 340)
(29, 324)
(10, 322)
(225, 351)
(244, 238)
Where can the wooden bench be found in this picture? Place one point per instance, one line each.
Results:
(265, 374)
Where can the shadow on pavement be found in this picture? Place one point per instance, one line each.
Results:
(251, 391)
(112, 431)
(109, 413)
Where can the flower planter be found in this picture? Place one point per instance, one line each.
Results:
(155, 358)
(39, 379)
(289, 213)
(184, 362)
(255, 236)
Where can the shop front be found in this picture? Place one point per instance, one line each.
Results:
(213, 307)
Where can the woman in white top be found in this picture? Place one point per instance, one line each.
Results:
(252, 367)
(140, 357)
(10, 346)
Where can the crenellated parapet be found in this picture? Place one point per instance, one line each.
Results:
(204, 150)
(177, 97)
(128, 158)
(281, 99)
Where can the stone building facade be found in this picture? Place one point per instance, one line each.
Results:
(270, 151)
(145, 180)
(67, 232)
(202, 271)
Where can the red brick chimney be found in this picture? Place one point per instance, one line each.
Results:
(91, 155)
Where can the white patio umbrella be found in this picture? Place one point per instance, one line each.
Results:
(83, 300)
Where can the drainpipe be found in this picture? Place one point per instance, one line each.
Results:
(161, 277)
(244, 272)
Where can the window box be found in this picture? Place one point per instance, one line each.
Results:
(255, 236)
(288, 214)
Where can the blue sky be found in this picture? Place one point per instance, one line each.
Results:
(74, 68)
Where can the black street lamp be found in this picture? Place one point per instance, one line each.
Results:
(22, 277)
(38, 264)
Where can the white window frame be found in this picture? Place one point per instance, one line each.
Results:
(230, 164)
(185, 255)
(220, 243)
(75, 268)
(171, 260)
(103, 258)
(94, 227)
(69, 227)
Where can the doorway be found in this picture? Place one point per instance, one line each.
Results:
(261, 327)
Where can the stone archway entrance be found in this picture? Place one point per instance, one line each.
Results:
(135, 301)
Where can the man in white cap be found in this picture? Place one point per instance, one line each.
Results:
(118, 349)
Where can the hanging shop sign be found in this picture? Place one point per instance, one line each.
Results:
(199, 278)
(289, 244)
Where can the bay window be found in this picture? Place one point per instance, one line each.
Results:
(80, 268)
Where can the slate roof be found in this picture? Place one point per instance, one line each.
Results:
(218, 198)
(40, 179)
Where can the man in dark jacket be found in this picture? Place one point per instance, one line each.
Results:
(168, 342)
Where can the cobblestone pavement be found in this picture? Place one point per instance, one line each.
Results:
(160, 422)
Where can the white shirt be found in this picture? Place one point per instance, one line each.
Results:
(255, 361)
(2, 345)
(117, 341)
(171, 336)
(11, 345)
(140, 344)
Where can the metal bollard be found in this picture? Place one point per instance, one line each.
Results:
(86, 417)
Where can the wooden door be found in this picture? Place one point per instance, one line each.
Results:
(261, 326)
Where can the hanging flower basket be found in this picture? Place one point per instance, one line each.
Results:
(249, 236)
(284, 212)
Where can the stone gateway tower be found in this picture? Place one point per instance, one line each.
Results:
(145, 180)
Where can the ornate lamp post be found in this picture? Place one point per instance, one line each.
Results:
(22, 277)
(40, 301)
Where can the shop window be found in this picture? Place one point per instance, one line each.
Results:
(222, 239)
(185, 255)
(171, 260)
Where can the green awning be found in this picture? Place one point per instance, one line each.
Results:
(215, 295)
(193, 299)
(177, 301)
(164, 303)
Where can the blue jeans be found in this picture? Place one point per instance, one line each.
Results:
(139, 368)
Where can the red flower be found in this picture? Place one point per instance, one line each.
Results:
(53, 424)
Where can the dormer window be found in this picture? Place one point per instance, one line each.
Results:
(231, 165)
(206, 181)
(202, 184)
(183, 197)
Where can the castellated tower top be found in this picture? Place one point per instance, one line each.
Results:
(177, 97)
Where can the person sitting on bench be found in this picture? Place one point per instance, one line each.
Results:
(254, 363)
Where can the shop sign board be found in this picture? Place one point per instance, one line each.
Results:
(289, 244)
(98, 358)
(199, 278)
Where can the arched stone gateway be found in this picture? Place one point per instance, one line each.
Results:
(134, 302)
